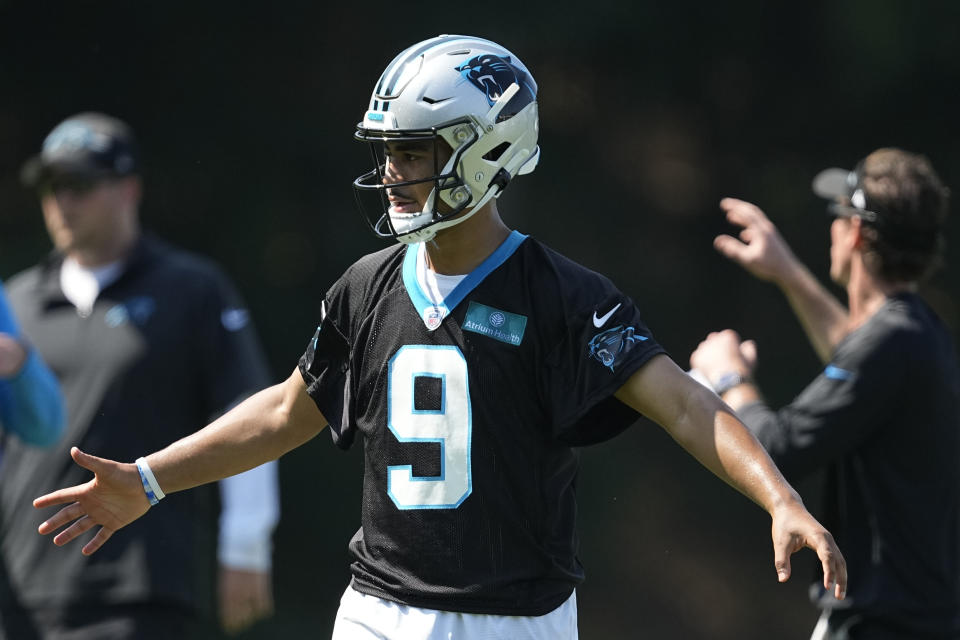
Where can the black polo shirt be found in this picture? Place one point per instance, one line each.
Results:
(167, 346)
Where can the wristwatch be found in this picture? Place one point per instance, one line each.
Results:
(728, 381)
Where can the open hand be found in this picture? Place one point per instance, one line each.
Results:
(760, 249)
(112, 499)
(793, 529)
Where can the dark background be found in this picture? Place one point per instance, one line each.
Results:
(650, 113)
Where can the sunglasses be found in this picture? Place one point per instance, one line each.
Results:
(839, 210)
(75, 185)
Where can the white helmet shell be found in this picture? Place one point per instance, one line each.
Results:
(476, 96)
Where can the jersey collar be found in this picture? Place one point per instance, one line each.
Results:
(146, 250)
(433, 314)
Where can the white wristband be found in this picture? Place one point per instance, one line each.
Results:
(150, 485)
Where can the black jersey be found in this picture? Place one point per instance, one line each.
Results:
(469, 411)
(884, 419)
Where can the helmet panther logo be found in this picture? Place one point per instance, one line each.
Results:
(491, 74)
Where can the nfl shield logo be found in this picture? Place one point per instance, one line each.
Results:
(433, 317)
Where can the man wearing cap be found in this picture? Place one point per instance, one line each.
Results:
(149, 343)
(883, 417)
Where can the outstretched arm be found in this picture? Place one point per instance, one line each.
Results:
(262, 428)
(762, 251)
(703, 425)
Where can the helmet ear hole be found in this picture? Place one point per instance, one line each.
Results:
(494, 154)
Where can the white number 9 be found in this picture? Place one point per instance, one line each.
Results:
(450, 426)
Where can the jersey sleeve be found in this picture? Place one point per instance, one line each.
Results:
(604, 343)
(232, 358)
(837, 411)
(325, 364)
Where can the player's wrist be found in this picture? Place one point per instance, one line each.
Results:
(149, 481)
(785, 499)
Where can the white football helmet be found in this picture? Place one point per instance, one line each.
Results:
(477, 97)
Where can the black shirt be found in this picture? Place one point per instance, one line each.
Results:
(469, 411)
(166, 347)
(884, 419)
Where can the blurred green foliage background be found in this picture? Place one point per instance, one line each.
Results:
(650, 113)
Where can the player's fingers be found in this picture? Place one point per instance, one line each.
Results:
(60, 496)
(834, 566)
(783, 569)
(781, 563)
(98, 540)
(78, 528)
(840, 590)
(60, 518)
(842, 579)
(89, 462)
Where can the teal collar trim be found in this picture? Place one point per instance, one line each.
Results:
(433, 314)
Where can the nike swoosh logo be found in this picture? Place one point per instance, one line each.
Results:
(602, 320)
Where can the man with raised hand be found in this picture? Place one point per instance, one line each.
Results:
(883, 416)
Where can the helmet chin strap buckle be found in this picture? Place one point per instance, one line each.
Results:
(505, 175)
(500, 180)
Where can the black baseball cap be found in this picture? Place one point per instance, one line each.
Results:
(87, 145)
(845, 187)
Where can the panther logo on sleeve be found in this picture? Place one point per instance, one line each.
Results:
(608, 347)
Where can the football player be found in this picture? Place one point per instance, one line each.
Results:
(472, 360)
